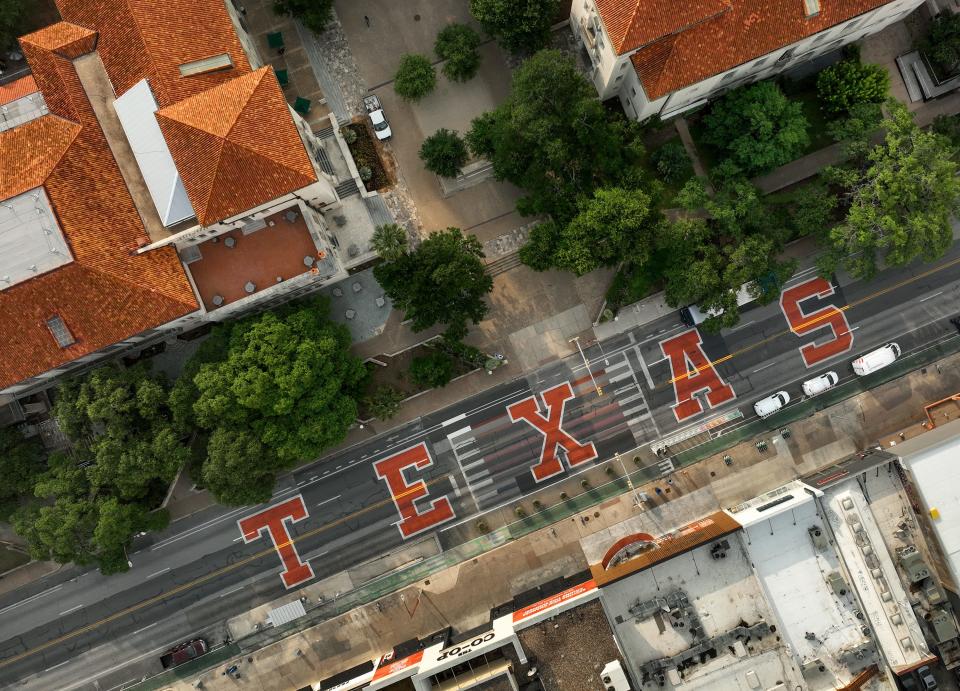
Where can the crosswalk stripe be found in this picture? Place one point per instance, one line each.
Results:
(630, 398)
(468, 466)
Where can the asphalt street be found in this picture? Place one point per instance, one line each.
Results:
(190, 578)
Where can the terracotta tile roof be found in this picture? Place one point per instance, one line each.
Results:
(107, 293)
(748, 30)
(236, 146)
(64, 39)
(634, 23)
(680, 541)
(152, 39)
(18, 89)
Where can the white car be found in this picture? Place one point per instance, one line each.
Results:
(771, 404)
(876, 359)
(381, 126)
(825, 381)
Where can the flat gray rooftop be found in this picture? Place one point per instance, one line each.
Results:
(31, 242)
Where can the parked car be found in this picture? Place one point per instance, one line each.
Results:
(381, 126)
(927, 682)
(825, 381)
(771, 404)
(876, 359)
(183, 652)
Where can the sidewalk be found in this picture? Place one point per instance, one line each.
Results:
(462, 595)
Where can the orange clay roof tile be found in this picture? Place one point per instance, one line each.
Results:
(107, 293)
(227, 159)
(702, 41)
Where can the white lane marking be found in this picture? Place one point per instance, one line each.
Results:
(55, 666)
(646, 372)
(148, 626)
(158, 573)
(453, 420)
(237, 539)
(759, 369)
(456, 487)
(930, 297)
(468, 466)
(301, 483)
(327, 501)
(314, 478)
(198, 528)
(30, 599)
(741, 326)
(72, 609)
(230, 592)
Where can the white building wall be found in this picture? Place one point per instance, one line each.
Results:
(614, 75)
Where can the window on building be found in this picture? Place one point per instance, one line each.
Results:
(61, 334)
(211, 64)
(787, 54)
(759, 62)
(633, 92)
(728, 77)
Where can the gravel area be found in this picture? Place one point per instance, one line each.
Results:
(572, 648)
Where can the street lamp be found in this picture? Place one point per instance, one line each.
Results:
(576, 339)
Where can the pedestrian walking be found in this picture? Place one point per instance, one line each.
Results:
(366, 20)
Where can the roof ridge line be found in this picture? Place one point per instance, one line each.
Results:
(240, 110)
(125, 279)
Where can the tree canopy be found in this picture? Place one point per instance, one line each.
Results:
(757, 127)
(13, 14)
(457, 45)
(286, 378)
(443, 281)
(942, 43)
(848, 83)
(444, 153)
(415, 77)
(520, 26)
(315, 14)
(553, 138)
(898, 200)
(21, 461)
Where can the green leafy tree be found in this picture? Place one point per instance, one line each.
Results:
(898, 200)
(315, 14)
(758, 127)
(384, 402)
(21, 461)
(116, 522)
(942, 44)
(520, 26)
(949, 127)
(119, 419)
(286, 377)
(239, 469)
(848, 83)
(13, 15)
(614, 225)
(706, 260)
(554, 139)
(443, 281)
(444, 153)
(415, 77)
(390, 241)
(672, 162)
(540, 249)
(457, 44)
(433, 370)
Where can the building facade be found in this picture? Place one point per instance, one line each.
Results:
(662, 59)
(152, 178)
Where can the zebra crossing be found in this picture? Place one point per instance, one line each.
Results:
(470, 460)
(624, 387)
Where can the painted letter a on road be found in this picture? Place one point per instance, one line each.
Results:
(693, 373)
(829, 316)
(273, 520)
(407, 494)
(551, 427)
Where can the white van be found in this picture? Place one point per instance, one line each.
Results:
(876, 359)
(771, 404)
(825, 381)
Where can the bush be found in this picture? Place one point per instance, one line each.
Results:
(444, 153)
(384, 403)
(415, 78)
(758, 127)
(349, 135)
(457, 44)
(671, 162)
(433, 370)
(848, 83)
(365, 173)
(949, 127)
(942, 44)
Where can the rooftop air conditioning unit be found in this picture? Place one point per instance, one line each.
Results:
(614, 678)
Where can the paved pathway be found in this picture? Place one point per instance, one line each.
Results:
(328, 83)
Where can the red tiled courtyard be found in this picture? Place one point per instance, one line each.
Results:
(264, 258)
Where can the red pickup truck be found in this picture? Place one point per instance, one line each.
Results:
(184, 652)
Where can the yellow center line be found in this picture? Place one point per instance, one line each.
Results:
(210, 576)
(813, 321)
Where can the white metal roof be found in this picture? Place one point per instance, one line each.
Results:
(286, 613)
(136, 109)
(31, 242)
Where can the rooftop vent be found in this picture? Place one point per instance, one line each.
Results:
(61, 334)
(811, 8)
(204, 65)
